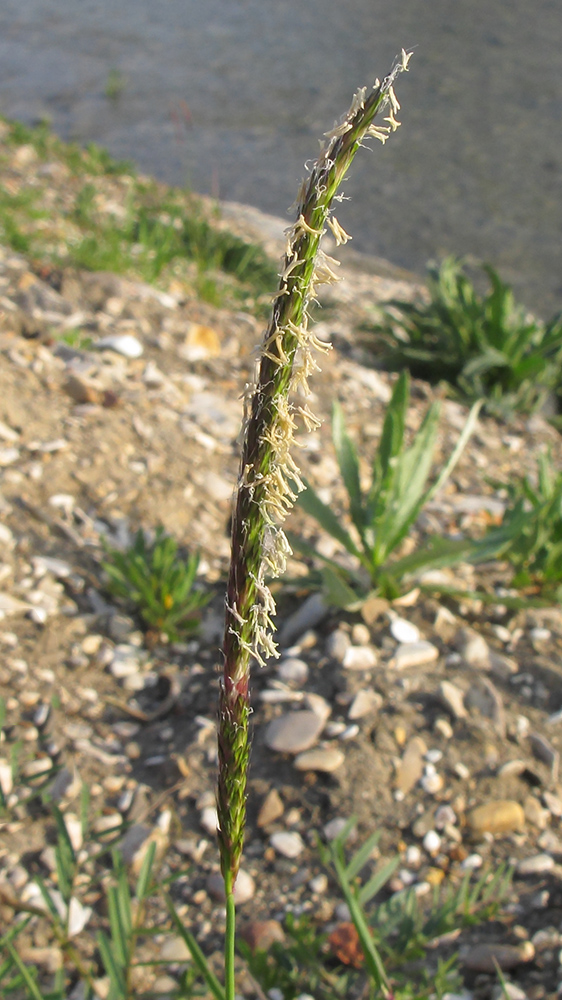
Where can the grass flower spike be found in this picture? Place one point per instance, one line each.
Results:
(268, 474)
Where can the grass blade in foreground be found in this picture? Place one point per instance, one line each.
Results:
(267, 470)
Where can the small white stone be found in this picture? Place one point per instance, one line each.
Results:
(318, 884)
(413, 856)
(293, 671)
(74, 830)
(360, 635)
(288, 843)
(124, 344)
(360, 658)
(404, 631)
(325, 759)
(125, 661)
(432, 842)
(535, 865)
(431, 783)
(540, 634)
(366, 702)
(472, 862)
(461, 770)
(6, 780)
(444, 816)
(209, 820)
(444, 727)
(78, 917)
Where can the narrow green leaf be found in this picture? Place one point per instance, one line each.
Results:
(196, 953)
(338, 593)
(362, 856)
(111, 967)
(377, 881)
(311, 503)
(349, 467)
(145, 874)
(119, 937)
(30, 982)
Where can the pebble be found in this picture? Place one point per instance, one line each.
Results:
(319, 705)
(311, 613)
(501, 816)
(472, 862)
(452, 698)
(444, 816)
(293, 671)
(486, 957)
(411, 766)
(288, 843)
(535, 813)
(432, 842)
(404, 631)
(272, 808)
(543, 750)
(294, 732)
(326, 759)
(444, 728)
(209, 820)
(174, 949)
(365, 702)
(535, 865)
(259, 935)
(78, 916)
(360, 658)
(553, 803)
(414, 654)
(483, 696)
(473, 647)
(360, 635)
(124, 344)
(108, 826)
(432, 783)
(413, 856)
(6, 780)
(337, 645)
(135, 837)
(319, 884)
(125, 661)
(244, 888)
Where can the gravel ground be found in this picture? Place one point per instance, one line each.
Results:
(435, 722)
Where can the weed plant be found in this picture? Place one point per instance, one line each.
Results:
(160, 229)
(382, 516)
(159, 584)
(485, 347)
(156, 232)
(532, 523)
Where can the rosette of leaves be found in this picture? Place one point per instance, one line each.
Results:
(533, 523)
(160, 585)
(382, 516)
(485, 346)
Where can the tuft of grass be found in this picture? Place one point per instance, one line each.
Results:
(154, 233)
(157, 583)
(532, 525)
(486, 347)
(382, 516)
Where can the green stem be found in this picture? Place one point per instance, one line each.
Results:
(229, 941)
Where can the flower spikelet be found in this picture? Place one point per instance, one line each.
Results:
(269, 478)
